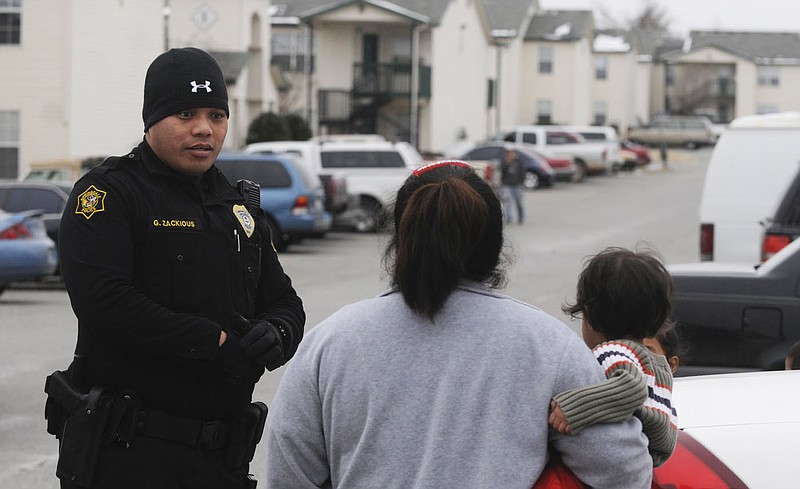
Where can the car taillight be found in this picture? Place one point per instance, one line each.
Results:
(692, 465)
(558, 162)
(772, 244)
(706, 242)
(488, 173)
(17, 231)
(300, 206)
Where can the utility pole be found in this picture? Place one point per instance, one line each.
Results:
(166, 12)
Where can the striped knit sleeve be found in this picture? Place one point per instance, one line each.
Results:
(613, 400)
(658, 415)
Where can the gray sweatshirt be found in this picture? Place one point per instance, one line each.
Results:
(378, 397)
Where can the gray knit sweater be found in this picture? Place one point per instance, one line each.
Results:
(378, 397)
(638, 383)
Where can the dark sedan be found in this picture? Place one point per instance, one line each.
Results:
(737, 316)
(49, 197)
(538, 172)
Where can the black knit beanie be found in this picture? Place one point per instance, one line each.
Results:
(180, 79)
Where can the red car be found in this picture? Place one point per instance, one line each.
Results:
(642, 152)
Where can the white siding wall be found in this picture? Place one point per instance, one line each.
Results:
(37, 90)
(78, 76)
(579, 98)
(746, 82)
(785, 96)
(337, 51)
(567, 87)
(111, 44)
(461, 67)
(647, 82)
(511, 84)
(618, 90)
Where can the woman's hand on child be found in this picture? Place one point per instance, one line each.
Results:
(557, 419)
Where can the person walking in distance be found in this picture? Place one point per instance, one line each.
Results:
(512, 176)
(180, 298)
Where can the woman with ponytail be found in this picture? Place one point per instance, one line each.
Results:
(441, 381)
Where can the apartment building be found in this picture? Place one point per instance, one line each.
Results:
(724, 74)
(73, 71)
(431, 73)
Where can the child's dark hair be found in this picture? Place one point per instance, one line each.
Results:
(670, 340)
(623, 294)
(448, 226)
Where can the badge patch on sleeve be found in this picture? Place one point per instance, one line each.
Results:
(91, 201)
(245, 219)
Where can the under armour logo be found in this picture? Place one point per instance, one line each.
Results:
(195, 86)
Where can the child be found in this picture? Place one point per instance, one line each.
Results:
(623, 297)
(667, 342)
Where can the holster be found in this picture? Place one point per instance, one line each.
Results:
(245, 434)
(78, 419)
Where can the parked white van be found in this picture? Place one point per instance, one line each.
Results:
(751, 168)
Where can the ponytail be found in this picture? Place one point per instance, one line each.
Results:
(448, 227)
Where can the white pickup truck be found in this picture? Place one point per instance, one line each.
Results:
(553, 141)
(374, 170)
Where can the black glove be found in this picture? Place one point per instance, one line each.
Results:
(237, 367)
(263, 344)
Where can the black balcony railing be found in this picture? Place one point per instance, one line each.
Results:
(389, 79)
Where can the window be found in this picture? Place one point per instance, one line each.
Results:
(487, 153)
(600, 113)
(289, 50)
(767, 109)
(557, 138)
(362, 159)
(768, 76)
(401, 50)
(670, 75)
(601, 67)
(10, 21)
(22, 199)
(9, 144)
(544, 112)
(545, 59)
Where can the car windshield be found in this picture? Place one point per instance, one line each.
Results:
(268, 174)
(362, 159)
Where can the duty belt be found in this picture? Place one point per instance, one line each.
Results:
(211, 435)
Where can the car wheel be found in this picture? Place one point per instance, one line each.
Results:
(531, 180)
(691, 145)
(580, 171)
(279, 241)
(367, 218)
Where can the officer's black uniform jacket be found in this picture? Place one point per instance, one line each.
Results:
(155, 264)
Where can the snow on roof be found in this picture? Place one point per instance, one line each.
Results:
(610, 44)
(563, 30)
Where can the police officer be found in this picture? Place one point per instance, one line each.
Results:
(180, 298)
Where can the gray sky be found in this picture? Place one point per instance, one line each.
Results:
(685, 15)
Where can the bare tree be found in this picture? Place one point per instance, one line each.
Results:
(652, 17)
